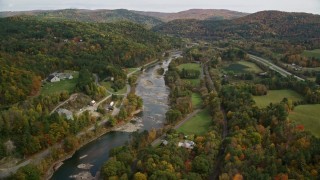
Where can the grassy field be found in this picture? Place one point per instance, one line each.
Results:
(107, 85)
(308, 116)
(313, 53)
(195, 66)
(275, 96)
(198, 124)
(196, 100)
(243, 67)
(63, 85)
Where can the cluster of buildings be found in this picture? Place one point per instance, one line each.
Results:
(185, 144)
(56, 77)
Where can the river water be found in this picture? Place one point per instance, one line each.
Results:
(151, 88)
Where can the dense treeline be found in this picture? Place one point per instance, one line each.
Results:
(308, 89)
(28, 127)
(33, 48)
(294, 27)
(263, 143)
(180, 95)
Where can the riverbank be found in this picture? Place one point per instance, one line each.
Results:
(152, 117)
(56, 165)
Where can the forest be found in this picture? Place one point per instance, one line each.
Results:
(261, 143)
(33, 48)
(243, 140)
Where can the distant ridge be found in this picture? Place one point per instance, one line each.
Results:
(302, 27)
(148, 18)
(199, 14)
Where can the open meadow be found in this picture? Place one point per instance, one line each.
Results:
(275, 96)
(243, 67)
(308, 116)
(198, 124)
(312, 53)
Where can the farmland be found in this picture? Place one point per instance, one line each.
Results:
(198, 124)
(308, 116)
(312, 53)
(243, 67)
(196, 100)
(275, 96)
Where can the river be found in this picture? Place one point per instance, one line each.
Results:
(151, 88)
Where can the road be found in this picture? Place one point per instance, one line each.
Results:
(274, 67)
(72, 97)
(36, 158)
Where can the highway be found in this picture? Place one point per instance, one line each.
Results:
(273, 67)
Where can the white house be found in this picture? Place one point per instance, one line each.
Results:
(53, 78)
(187, 144)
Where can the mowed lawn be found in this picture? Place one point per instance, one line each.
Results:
(243, 67)
(58, 87)
(196, 100)
(312, 53)
(198, 124)
(275, 96)
(308, 116)
(195, 66)
(190, 66)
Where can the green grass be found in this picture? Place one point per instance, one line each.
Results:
(63, 85)
(198, 124)
(196, 100)
(243, 67)
(313, 53)
(195, 66)
(308, 116)
(107, 85)
(275, 96)
(130, 70)
(193, 82)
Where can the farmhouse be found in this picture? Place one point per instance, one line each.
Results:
(53, 78)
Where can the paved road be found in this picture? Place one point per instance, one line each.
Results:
(274, 67)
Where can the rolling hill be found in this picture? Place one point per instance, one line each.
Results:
(260, 25)
(148, 18)
(84, 15)
(199, 14)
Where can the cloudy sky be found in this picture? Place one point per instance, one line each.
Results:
(310, 6)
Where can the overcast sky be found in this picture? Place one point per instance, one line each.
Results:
(310, 6)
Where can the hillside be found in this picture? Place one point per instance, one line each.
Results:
(199, 14)
(147, 18)
(89, 15)
(31, 49)
(260, 25)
